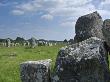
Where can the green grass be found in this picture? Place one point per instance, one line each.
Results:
(10, 59)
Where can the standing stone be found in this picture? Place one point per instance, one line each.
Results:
(55, 43)
(50, 44)
(86, 61)
(24, 44)
(12, 44)
(33, 42)
(106, 31)
(46, 43)
(8, 42)
(36, 71)
(87, 26)
(27, 43)
(41, 43)
(17, 44)
(4, 44)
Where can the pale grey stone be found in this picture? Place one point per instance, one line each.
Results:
(17, 44)
(41, 43)
(50, 44)
(33, 42)
(8, 42)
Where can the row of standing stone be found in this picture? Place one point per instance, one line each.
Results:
(32, 43)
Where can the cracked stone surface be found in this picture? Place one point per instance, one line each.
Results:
(35, 71)
(87, 26)
(82, 62)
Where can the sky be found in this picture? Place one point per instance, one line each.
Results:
(46, 19)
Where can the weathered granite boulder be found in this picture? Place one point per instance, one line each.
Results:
(87, 26)
(35, 71)
(106, 31)
(86, 61)
(8, 42)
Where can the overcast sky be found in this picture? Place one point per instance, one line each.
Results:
(46, 19)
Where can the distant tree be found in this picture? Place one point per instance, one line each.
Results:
(2, 40)
(32, 38)
(20, 40)
(65, 41)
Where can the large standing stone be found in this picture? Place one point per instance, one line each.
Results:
(86, 61)
(87, 26)
(8, 42)
(27, 43)
(106, 31)
(36, 71)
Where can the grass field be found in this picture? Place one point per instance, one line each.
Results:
(10, 59)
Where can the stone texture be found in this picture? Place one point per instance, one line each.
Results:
(8, 42)
(86, 61)
(106, 31)
(36, 71)
(33, 42)
(87, 26)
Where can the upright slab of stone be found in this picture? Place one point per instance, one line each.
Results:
(27, 43)
(35, 71)
(87, 26)
(8, 42)
(33, 42)
(82, 62)
(106, 31)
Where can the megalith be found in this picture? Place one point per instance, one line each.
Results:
(8, 42)
(33, 42)
(87, 26)
(85, 61)
(36, 71)
(106, 31)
